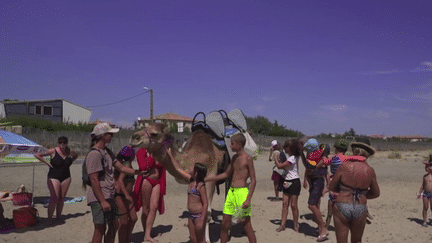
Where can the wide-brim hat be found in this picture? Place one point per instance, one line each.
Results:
(363, 143)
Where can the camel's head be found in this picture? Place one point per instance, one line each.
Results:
(153, 138)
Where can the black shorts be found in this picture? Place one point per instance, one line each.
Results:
(315, 191)
(292, 187)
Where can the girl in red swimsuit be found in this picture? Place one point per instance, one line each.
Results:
(149, 192)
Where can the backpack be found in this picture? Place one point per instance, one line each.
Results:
(85, 176)
(282, 156)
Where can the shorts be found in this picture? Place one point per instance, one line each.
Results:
(315, 191)
(293, 187)
(101, 217)
(276, 176)
(235, 199)
(427, 194)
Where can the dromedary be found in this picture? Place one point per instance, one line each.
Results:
(200, 148)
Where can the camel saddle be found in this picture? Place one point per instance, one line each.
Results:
(221, 127)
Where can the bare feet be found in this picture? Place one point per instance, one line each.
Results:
(149, 239)
(297, 228)
(281, 228)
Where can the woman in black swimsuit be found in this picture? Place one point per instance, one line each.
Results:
(59, 177)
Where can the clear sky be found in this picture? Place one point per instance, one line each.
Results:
(314, 66)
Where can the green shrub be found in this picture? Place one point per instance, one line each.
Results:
(47, 125)
(394, 155)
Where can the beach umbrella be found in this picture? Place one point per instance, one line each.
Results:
(18, 149)
(11, 143)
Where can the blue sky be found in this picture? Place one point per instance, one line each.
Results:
(314, 66)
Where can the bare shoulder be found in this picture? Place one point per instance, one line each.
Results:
(243, 158)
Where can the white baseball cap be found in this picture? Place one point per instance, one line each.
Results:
(103, 128)
(274, 143)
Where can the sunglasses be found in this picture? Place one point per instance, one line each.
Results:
(62, 142)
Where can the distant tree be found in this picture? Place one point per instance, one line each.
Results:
(350, 132)
(135, 125)
(173, 127)
(262, 125)
(186, 130)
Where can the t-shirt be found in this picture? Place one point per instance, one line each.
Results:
(292, 169)
(275, 168)
(94, 164)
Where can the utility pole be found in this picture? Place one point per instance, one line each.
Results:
(151, 104)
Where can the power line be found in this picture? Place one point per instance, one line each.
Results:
(113, 103)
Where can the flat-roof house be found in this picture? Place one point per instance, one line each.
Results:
(168, 118)
(411, 138)
(56, 110)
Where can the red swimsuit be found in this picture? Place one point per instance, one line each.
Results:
(146, 163)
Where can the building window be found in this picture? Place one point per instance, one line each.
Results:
(38, 110)
(47, 111)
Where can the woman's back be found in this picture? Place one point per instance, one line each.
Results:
(356, 178)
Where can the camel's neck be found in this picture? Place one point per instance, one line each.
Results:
(163, 158)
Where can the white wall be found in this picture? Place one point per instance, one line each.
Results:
(2, 111)
(73, 113)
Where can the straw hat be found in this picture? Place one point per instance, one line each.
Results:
(364, 143)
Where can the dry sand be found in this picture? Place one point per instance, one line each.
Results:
(397, 213)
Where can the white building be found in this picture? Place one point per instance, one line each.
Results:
(55, 110)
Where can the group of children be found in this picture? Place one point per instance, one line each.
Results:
(316, 177)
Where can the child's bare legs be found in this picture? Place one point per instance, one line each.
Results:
(276, 183)
(425, 209)
(329, 214)
(191, 227)
(226, 225)
(293, 199)
(285, 205)
(200, 225)
(247, 225)
(127, 219)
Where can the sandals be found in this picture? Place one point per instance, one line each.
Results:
(322, 238)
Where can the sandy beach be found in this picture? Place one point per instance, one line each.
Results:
(397, 212)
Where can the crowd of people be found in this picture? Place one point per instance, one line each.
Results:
(348, 194)
(115, 197)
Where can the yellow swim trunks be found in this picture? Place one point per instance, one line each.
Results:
(235, 199)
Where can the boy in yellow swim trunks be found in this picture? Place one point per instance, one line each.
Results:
(239, 195)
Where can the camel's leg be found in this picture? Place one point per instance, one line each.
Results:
(210, 187)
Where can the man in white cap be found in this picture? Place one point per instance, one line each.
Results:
(100, 165)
